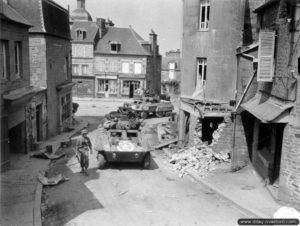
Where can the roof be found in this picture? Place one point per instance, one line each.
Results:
(80, 14)
(9, 13)
(166, 60)
(266, 5)
(91, 29)
(46, 16)
(269, 110)
(130, 42)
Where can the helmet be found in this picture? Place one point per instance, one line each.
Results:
(84, 131)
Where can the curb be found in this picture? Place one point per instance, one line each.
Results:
(37, 216)
(245, 209)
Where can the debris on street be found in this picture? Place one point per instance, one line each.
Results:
(166, 131)
(201, 157)
(51, 181)
(43, 154)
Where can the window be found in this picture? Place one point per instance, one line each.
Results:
(81, 34)
(107, 85)
(201, 70)
(125, 67)
(65, 107)
(75, 68)
(114, 66)
(5, 59)
(126, 86)
(137, 68)
(115, 47)
(266, 51)
(172, 66)
(172, 70)
(204, 15)
(84, 69)
(18, 58)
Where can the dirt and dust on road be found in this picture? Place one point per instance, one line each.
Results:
(127, 194)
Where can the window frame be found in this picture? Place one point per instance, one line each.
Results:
(73, 67)
(204, 16)
(125, 72)
(141, 68)
(5, 72)
(82, 69)
(18, 59)
(201, 61)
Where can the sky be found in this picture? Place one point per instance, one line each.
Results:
(163, 16)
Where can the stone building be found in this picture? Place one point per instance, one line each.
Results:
(211, 33)
(50, 58)
(267, 118)
(15, 89)
(111, 61)
(171, 73)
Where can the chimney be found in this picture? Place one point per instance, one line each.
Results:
(109, 23)
(80, 4)
(153, 41)
(101, 24)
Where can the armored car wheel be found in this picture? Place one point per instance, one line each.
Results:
(160, 114)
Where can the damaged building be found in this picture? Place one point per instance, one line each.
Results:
(267, 122)
(245, 76)
(211, 33)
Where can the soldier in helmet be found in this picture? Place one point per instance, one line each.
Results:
(83, 148)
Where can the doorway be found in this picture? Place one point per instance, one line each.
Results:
(39, 122)
(131, 90)
(17, 138)
(279, 128)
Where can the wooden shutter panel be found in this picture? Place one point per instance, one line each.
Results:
(266, 56)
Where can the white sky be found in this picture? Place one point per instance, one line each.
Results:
(163, 16)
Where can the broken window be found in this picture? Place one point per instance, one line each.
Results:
(201, 70)
(204, 15)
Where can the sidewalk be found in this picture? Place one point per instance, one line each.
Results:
(243, 188)
(20, 189)
(111, 99)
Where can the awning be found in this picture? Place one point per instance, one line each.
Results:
(270, 110)
(65, 86)
(20, 97)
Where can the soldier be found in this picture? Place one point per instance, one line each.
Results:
(83, 148)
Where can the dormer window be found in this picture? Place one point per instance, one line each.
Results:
(81, 34)
(115, 47)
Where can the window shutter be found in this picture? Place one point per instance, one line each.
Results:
(266, 56)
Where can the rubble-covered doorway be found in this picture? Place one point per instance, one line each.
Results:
(209, 125)
(279, 128)
(17, 138)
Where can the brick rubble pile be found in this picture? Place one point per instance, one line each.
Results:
(201, 156)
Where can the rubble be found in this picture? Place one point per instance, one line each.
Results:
(51, 181)
(201, 156)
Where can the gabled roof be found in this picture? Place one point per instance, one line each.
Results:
(46, 16)
(9, 13)
(91, 29)
(127, 37)
(166, 60)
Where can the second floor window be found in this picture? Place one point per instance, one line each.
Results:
(4, 59)
(201, 70)
(75, 69)
(84, 68)
(137, 68)
(18, 58)
(204, 15)
(172, 70)
(125, 67)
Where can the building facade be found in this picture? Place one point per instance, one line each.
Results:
(50, 61)
(111, 61)
(268, 114)
(171, 73)
(16, 92)
(211, 34)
